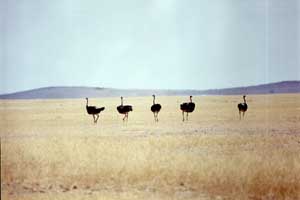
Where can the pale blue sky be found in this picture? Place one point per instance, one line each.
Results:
(168, 44)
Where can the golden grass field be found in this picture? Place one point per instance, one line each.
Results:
(51, 149)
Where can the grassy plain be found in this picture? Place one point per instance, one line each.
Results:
(50, 149)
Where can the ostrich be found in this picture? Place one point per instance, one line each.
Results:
(187, 107)
(243, 107)
(155, 108)
(124, 109)
(93, 110)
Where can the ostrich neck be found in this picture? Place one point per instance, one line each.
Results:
(87, 102)
(244, 100)
(153, 100)
(122, 102)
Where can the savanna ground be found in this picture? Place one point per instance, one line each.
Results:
(50, 149)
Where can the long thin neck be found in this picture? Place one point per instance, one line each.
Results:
(244, 99)
(153, 100)
(122, 101)
(87, 102)
(191, 99)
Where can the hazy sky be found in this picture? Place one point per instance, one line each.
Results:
(176, 44)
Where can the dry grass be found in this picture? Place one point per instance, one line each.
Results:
(52, 150)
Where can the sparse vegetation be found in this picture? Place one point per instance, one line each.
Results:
(51, 150)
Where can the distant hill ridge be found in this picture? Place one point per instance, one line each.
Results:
(81, 92)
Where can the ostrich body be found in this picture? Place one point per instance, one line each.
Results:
(155, 108)
(93, 110)
(187, 107)
(124, 109)
(243, 107)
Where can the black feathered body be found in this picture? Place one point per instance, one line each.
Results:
(93, 110)
(122, 109)
(155, 107)
(187, 107)
(242, 107)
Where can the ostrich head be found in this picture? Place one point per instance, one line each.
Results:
(121, 100)
(87, 100)
(244, 97)
(153, 99)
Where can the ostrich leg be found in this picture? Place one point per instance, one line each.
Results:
(240, 114)
(97, 118)
(187, 116)
(183, 116)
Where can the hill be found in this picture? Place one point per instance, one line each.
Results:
(81, 92)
